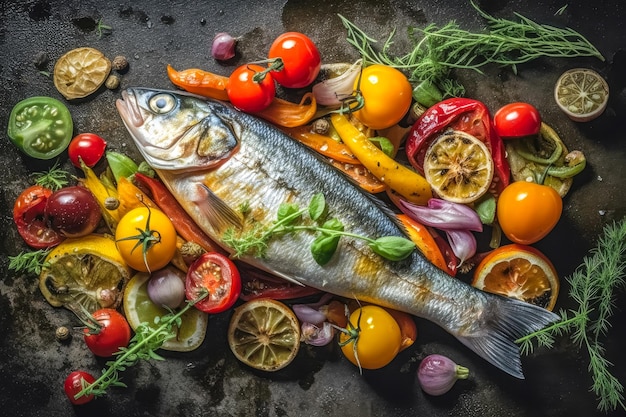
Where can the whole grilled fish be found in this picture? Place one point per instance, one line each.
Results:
(215, 159)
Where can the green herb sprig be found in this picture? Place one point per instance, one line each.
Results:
(55, 178)
(289, 220)
(438, 50)
(592, 286)
(30, 263)
(142, 346)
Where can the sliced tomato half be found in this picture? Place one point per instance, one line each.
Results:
(219, 276)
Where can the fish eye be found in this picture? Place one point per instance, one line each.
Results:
(162, 103)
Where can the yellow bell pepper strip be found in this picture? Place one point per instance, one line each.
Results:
(101, 193)
(197, 81)
(287, 114)
(362, 176)
(323, 144)
(406, 182)
(131, 196)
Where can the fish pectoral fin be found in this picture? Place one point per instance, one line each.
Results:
(219, 214)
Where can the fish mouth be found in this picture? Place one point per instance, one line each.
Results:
(128, 108)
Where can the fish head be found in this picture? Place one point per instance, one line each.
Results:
(175, 130)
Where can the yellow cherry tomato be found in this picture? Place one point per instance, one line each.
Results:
(146, 239)
(373, 337)
(528, 211)
(387, 96)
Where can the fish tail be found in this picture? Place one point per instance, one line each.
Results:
(507, 321)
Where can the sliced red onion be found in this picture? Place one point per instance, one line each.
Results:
(442, 214)
(308, 314)
(317, 336)
(463, 244)
(330, 92)
(223, 47)
(437, 374)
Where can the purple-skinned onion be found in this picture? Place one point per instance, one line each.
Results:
(443, 215)
(437, 374)
(317, 336)
(308, 314)
(166, 287)
(463, 244)
(223, 46)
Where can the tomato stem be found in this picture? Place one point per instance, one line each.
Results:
(146, 238)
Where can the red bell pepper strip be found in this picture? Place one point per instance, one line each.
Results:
(183, 223)
(464, 114)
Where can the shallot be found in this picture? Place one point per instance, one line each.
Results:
(166, 287)
(437, 374)
(223, 47)
(330, 92)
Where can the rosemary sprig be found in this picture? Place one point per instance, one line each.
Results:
(54, 178)
(592, 287)
(30, 263)
(142, 346)
(438, 50)
(289, 220)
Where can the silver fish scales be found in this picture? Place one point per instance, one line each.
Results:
(214, 159)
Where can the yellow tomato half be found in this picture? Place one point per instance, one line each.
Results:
(387, 95)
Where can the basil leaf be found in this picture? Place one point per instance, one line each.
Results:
(121, 165)
(285, 211)
(332, 224)
(323, 248)
(317, 206)
(486, 210)
(394, 248)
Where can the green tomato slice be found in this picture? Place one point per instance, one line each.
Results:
(41, 127)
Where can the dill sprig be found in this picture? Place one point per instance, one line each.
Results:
(592, 287)
(55, 178)
(142, 346)
(438, 50)
(29, 262)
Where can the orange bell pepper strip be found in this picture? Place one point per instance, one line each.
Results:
(322, 144)
(287, 114)
(403, 180)
(197, 81)
(183, 223)
(426, 243)
(362, 176)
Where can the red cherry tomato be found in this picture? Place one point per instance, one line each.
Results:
(217, 274)
(86, 146)
(528, 211)
(515, 120)
(247, 93)
(74, 384)
(30, 219)
(114, 332)
(300, 58)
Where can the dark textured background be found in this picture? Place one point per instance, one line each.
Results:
(210, 381)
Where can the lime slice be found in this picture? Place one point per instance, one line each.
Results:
(582, 94)
(138, 309)
(459, 167)
(80, 72)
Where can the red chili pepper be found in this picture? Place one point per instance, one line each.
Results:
(183, 223)
(468, 115)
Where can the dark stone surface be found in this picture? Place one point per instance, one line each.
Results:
(210, 381)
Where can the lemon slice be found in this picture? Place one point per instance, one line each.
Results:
(582, 94)
(264, 334)
(80, 72)
(459, 167)
(520, 272)
(138, 308)
(87, 271)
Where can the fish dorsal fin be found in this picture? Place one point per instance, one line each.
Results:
(220, 215)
